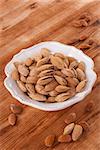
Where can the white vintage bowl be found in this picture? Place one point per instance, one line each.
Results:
(54, 47)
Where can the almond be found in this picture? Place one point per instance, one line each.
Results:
(45, 52)
(77, 132)
(67, 72)
(42, 61)
(70, 118)
(28, 62)
(51, 99)
(69, 128)
(21, 86)
(60, 80)
(74, 72)
(71, 59)
(49, 140)
(53, 93)
(15, 75)
(37, 97)
(46, 73)
(80, 74)
(62, 97)
(80, 86)
(16, 109)
(30, 88)
(37, 57)
(59, 73)
(66, 61)
(23, 78)
(64, 138)
(44, 80)
(72, 82)
(32, 79)
(33, 71)
(73, 64)
(59, 55)
(81, 66)
(32, 66)
(62, 88)
(45, 67)
(51, 86)
(40, 89)
(16, 64)
(57, 61)
(23, 70)
(12, 118)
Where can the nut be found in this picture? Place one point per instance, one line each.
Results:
(44, 80)
(30, 88)
(80, 86)
(49, 141)
(15, 75)
(77, 132)
(45, 52)
(42, 61)
(51, 99)
(60, 80)
(57, 62)
(64, 138)
(51, 86)
(12, 118)
(69, 128)
(23, 70)
(36, 96)
(67, 72)
(62, 88)
(28, 62)
(81, 66)
(32, 79)
(74, 65)
(22, 86)
(80, 74)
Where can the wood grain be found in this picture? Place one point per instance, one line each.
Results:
(23, 24)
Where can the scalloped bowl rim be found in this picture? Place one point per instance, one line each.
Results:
(52, 45)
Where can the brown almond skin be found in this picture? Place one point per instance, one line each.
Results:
(28, 62)
(49, 140)
(15, 75)
(23, 70)
(16, 109)
(12, 118)
(64, 138)
(70, 118)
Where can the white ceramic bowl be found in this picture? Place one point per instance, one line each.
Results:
(54, 47)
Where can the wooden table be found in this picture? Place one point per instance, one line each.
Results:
(24, 23)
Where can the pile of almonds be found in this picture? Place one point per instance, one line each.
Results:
(50, 77)
(72, 132)
(15, 109)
